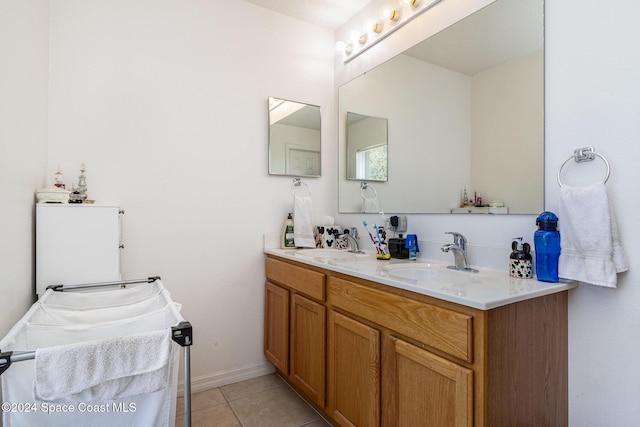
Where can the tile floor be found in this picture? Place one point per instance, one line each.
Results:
(265, 401)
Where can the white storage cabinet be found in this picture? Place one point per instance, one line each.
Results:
(76, 243)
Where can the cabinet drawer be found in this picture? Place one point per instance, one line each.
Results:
(440, 328)
(308, 282)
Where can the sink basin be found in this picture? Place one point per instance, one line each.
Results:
(433, 272)
(329, 254)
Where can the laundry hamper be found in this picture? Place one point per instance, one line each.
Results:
(98, 324)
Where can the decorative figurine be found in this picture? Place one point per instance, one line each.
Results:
(82, 184)
(58, 179)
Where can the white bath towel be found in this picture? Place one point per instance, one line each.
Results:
(590, 244)
(302, 222)
(103, 370)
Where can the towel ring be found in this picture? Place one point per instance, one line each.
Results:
(297, 182)
(363, 188)
(585, 154)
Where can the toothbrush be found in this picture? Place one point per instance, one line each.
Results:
(371, 236)
(375, 227)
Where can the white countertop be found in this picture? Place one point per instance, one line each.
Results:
(484, 290)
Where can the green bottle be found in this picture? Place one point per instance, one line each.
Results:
(287, 233)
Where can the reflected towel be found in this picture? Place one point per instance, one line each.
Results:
(103, 370)
(590, 244)
(370, 205)
(302, 222)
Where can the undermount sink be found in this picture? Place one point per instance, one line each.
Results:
(329, 254)
(434, 272)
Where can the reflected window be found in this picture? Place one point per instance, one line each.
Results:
(366, 147)
(371, 163)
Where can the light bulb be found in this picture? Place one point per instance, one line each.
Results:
(389, 13)
(373, 26)
(341, 46)
(355, 37)
(411, 3)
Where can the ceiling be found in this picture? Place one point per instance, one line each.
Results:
(329, 14)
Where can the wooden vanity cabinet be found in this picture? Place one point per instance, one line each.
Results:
(295, 326)
(397, 358)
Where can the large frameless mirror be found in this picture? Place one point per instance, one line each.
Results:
(294, 138)
(465, 109)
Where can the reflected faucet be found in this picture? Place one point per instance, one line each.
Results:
(459, 249)
(352, 240)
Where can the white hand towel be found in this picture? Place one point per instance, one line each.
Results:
(302, 222)
(103, 370)
(590, 244)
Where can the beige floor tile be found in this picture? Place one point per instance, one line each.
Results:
(277, 407)
(201, 400)
(215, 416)
(255, 385)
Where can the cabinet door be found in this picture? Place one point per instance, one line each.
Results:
(76, 243)
(307, 366)
(425, 389)
(353, 372)
(276, 326)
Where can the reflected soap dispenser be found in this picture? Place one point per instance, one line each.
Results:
(520, 260)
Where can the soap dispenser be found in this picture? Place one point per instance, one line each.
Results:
(287, 233)
(520, 260)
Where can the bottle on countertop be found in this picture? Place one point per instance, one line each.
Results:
(520, 260)
(411, 243)
(547, 243)
(287, 233)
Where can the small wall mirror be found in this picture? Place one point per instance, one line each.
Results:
(294, 138)
(366, 147)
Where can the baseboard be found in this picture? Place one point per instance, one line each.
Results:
(218, 379)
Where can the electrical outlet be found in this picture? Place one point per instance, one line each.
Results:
(402, 224)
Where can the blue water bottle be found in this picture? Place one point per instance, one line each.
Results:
(546, 240)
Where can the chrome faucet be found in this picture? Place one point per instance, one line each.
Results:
(459, 249)
(352, 238)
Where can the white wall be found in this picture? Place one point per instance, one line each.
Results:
(23, 147)
(166, 104)
(591, 98)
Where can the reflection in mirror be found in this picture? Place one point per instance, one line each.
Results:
(366, 147)
(465, 109)
(294, 138)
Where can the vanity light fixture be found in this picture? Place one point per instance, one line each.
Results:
(376, 29)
